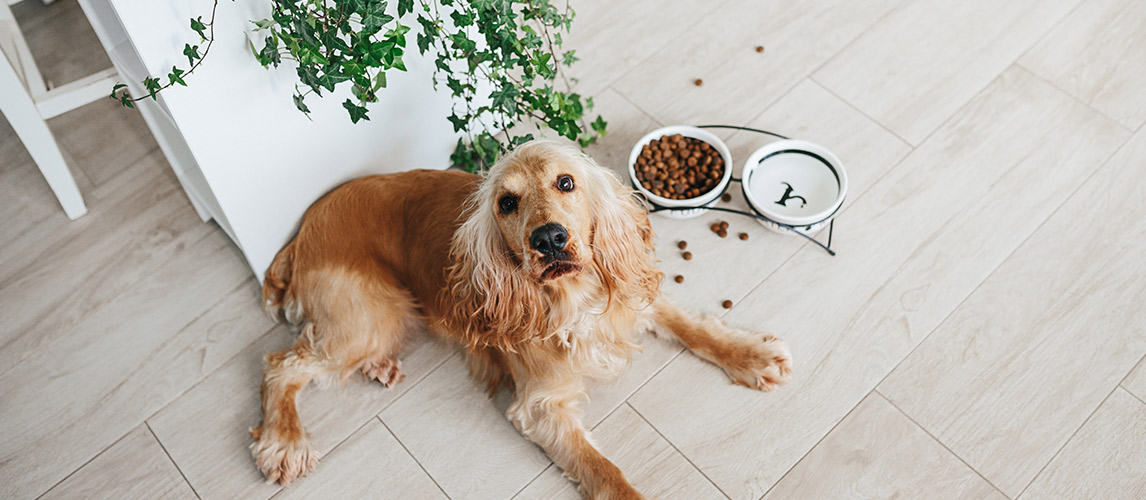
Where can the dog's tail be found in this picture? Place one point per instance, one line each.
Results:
(277, 291)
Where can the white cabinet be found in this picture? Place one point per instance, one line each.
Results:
(244, 154)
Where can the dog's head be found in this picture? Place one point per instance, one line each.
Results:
(545, 215)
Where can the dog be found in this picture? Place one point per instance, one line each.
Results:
(543, 272)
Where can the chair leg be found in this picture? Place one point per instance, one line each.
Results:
(18, 107)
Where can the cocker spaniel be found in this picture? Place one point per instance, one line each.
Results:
(543, 272)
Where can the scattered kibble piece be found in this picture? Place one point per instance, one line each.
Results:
(723, 225)
(722, 233)
(726, 197)
(759, 48)
(744, 236)
(687, 255)
(682, 244)
(715, 227)
(679, 279)
(727, 304)
(699, 82)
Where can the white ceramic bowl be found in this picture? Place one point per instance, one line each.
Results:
(798, 183)
(705, 200)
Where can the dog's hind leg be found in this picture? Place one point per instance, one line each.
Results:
(752, 359)
(353, 323)
(282, 448)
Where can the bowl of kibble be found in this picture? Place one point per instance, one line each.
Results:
(680, 168)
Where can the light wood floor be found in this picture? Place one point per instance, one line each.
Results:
(980, 334)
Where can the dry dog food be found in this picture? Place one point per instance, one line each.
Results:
(699, 82)
(720, 228)
(682, 244)
(727, 304)
(744, 236)
(678, 167)
(679, 279)
(687, 255)
(759, 48)
(726, 197)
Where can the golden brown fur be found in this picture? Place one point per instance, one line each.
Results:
(380, 256)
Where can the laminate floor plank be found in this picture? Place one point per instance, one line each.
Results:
(877, 452)
(737, 82)
(134, 467)
(1106, 459)
(1094, 54)
(79, 266)
(1027, 357)
(78, 394)
(922, 63)
(1135, 382)
(608, 43)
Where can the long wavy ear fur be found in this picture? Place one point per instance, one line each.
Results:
(493, 302)
(622, 240)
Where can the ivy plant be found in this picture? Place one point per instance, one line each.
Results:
(501, 60)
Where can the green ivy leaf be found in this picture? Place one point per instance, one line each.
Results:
(152, 85)
(379, 81)
(458, 122)
(519, 140)
(198, 26)
(569, 57)
(263, 24)
(330, 77)
(599, 125)
(375, 16)
(405, 6)
(503, 98)
(176, 76)
(192, 53)
(115, 90)
(356, 112)
(270, 52)
(309, 77)
(298, 103)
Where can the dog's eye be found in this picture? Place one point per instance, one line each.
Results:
(507, 203)
(565, 183)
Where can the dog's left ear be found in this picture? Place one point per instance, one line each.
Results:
(622, 241)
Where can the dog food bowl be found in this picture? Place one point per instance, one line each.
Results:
(794, 183)
(697, 204)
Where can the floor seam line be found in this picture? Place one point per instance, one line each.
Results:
(172, 459)
(412, 456)
(681, 453)
(85, 464)
(814, 446)
(1068, 440)
(940, 443)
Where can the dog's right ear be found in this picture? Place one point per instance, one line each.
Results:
(493, 302)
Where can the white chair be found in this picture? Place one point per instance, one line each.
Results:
(27, 102)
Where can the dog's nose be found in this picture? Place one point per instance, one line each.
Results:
(549, 239)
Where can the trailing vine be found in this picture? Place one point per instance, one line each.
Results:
(502, 61)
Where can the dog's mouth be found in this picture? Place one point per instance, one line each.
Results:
(557, 268)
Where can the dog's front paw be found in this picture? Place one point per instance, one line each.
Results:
(387, 372)
(280, 460)
(762, 362)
